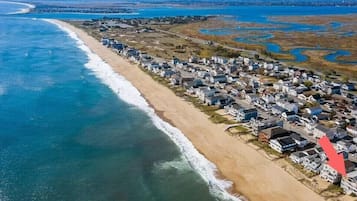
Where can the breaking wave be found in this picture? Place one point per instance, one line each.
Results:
(179, 164)
(128, 93)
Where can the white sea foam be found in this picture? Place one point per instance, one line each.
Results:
(180, 164)
(23, 10)
(128, 93)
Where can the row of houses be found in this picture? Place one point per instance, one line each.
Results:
(298, 97)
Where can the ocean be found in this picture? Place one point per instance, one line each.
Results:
(72, 129)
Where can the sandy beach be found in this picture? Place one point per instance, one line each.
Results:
(254, 176)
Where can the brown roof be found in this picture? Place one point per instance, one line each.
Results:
(350, 166)
(274, 132)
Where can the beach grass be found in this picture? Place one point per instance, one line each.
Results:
(266, 148)
(299, 167)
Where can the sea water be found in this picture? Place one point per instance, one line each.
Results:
(72, 129)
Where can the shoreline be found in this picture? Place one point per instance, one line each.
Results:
(23, 10)
(243, 165)
(128, 93)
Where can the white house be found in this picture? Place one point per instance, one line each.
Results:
(291, 107)
(252, 98)
(204, 92)
(345, 146)
(302, 97)
(268, 98)
(352, 130)
(312, 163)
(330, 174)
(233, 109)
(282, 144)
(297, 157)
(219, 60)
(349, 183)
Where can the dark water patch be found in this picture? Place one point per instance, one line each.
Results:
(334, 57)
(297, 53)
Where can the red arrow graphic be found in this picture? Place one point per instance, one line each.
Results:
(335, 160)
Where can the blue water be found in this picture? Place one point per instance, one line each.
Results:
(335, 57)
(299, 57)
(261, 14)
(66, 136)
(243, 13)
(9, 7)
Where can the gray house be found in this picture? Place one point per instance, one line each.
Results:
(247, 114)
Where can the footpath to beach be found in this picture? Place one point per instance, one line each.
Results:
(254, 176)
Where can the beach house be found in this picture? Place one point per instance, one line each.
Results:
(300, 141)
(283, 144)
(219, 100)
(312, 163)
(298, 157)
(233, 109)
(258, 125)
(270, 133)
(349, 183)
(205, 92)
(331, 175)
(247, 114)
